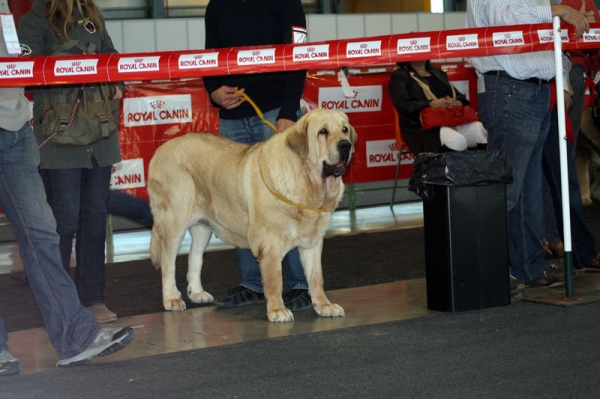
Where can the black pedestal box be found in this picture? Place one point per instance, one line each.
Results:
(466, 251)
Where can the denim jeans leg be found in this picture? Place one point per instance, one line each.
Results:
(549, 226)
(577, 80)
(90, 273)
(3, 334)
(22, 198)
(63, 190)
(249, 270)
(583, 242)
(516, 115)
(130, 206)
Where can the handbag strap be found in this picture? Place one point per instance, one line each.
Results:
(427, 90)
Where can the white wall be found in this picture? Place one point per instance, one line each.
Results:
(149, 35)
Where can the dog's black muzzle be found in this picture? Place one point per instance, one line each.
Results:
(344, 148)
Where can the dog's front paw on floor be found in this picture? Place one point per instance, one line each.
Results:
(174, 304)
(330, 310)
(200, 297)
(280, 315)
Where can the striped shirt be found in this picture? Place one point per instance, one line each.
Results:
(483, 13)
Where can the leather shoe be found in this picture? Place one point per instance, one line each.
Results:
(555, 251)
(553, 276)
(594, 265)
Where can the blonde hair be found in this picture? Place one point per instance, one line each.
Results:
(59, 16)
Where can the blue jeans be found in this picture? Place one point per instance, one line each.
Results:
(130, 206)
(517, 117)
(583, 243)
(252, 131)
(78, 199)
(578, 85)
(70, 327)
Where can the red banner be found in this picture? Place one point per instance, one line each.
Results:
(155, 113)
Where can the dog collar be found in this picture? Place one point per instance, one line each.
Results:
(287, 201)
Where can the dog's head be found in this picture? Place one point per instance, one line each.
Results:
(326, 138)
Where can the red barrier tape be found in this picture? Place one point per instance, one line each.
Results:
(35, 71)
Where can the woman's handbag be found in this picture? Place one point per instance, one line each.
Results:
(454, 116)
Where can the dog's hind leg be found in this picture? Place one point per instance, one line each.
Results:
(167, 241)
(311, 262)
(200, 239)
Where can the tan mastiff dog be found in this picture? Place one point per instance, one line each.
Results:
(270, 197)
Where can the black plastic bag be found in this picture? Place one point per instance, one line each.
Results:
(465, 168)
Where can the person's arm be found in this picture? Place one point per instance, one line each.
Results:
(292, 15)
(109, 48)
(580, 19)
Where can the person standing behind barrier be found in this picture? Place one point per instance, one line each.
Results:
(78, 177)
(72, 330)
(515, 108)
(412, 87)
(232, 23)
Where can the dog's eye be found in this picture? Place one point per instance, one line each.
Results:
(323, 131)
(345, 129)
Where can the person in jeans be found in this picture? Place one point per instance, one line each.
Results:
(77, 178)
(72, 330)
(261, 22)
(514, 106)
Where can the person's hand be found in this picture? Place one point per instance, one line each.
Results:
(118, 93)
(439, 103)
(283, 124)
(568, 100)
(577, 18)
(228, 97)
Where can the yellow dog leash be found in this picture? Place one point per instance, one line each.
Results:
(276, 194)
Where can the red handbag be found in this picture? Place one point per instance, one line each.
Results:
(454, 116)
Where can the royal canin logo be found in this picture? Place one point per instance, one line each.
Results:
(198, 57)
(76, 63)
(413, 42)
(255, 53)
(310, 50)
(393, 147)
(364, 45)
(157, 104)
(508, 35)
(462, 39)
(138, 60)
(11, 66)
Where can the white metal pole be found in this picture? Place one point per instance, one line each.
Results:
(562, 144)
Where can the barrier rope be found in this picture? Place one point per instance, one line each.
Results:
(377, 50)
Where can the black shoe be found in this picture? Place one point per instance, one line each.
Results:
(553, 276)
(297, 300)
(240, 296)
(516, 289)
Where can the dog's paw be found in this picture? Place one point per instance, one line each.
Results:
(330, 310)
(587, 201)
(174, 304)
(200, 297)
(280, 315)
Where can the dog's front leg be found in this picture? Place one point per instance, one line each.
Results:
(270, 269)
(311, 262)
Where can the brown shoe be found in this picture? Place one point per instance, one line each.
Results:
(102, 314)
(556, 251)
(553, 276)
(594, 265)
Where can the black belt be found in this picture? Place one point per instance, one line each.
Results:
(502, 74)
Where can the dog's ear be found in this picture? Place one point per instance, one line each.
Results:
(297, 139)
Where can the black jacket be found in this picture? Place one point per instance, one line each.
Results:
(408, 97)
(233, 23)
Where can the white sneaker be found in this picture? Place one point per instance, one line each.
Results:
(8, 364)
(108, 341)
